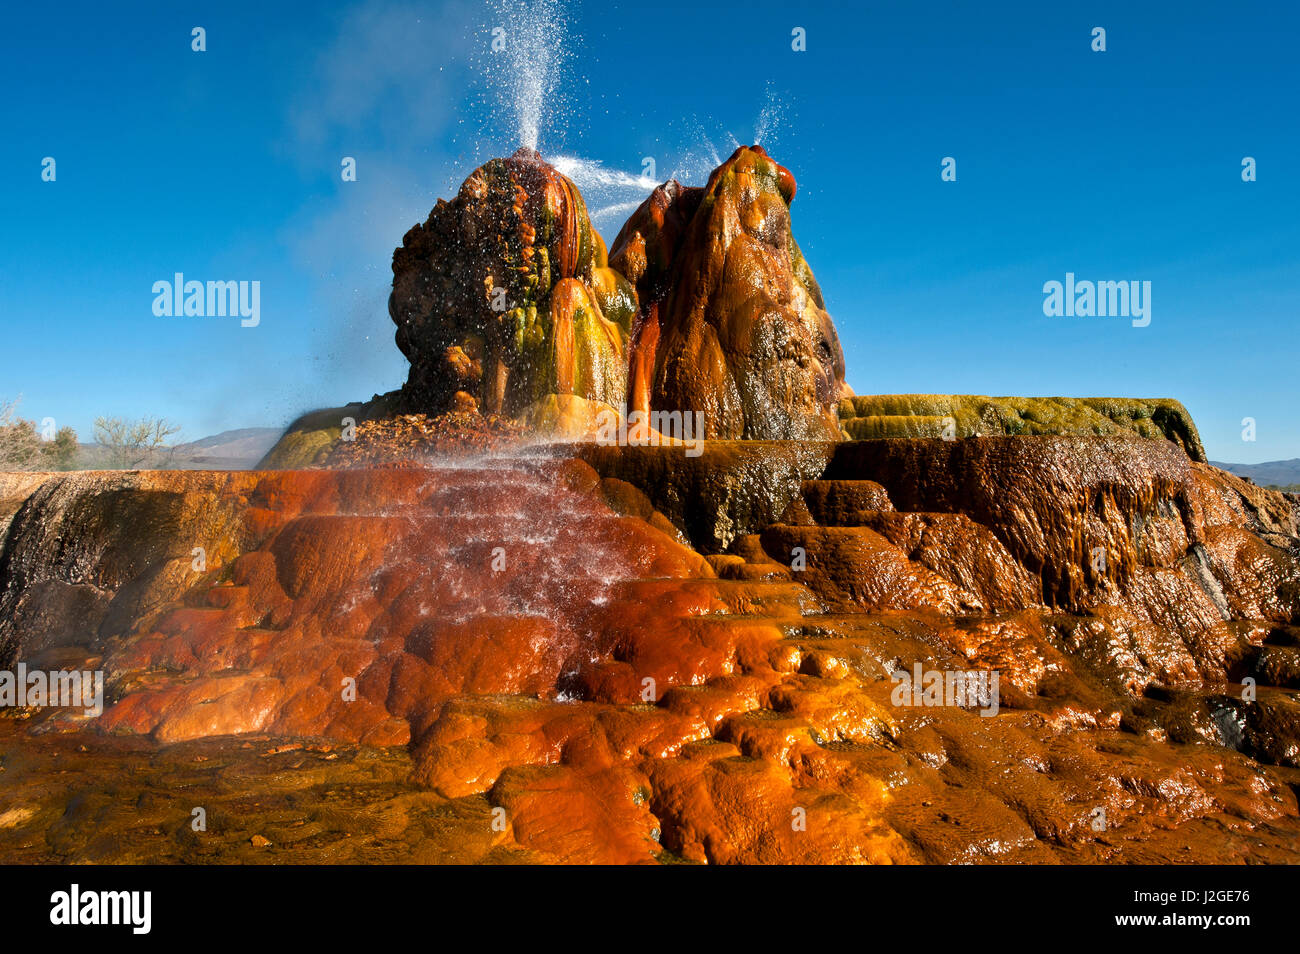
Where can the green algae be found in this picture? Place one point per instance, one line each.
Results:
(971, 415)
(313, 434)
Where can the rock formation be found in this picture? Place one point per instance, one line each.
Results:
(953, 416)
(503, 297)
(732, 324)
(507, 304)
(504, 301)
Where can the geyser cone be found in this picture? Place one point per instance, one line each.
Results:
(503, 296)
(732, 324)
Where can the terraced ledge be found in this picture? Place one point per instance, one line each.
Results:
(976, 415)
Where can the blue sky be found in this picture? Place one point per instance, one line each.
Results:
(225, 165)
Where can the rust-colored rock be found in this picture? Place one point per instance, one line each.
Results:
(503, 296)
(525, 635)
(731, 324)
(733, 488)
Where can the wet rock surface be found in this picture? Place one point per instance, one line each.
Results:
(503, 296)
(606, 694)
(954, 416)
(408, 438)
(732, 325)
(731, 489)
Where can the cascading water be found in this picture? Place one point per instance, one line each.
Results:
(515, 509)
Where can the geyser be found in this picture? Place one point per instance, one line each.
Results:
(505, 301)
(530, 50)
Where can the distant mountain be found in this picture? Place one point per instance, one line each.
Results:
(230, 450)
(1273, 473)
(239, 449)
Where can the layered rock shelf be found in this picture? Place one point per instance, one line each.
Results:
(625, 699)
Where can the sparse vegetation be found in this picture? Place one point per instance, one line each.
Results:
(132, 444)
(150, 443)
(24, 447)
